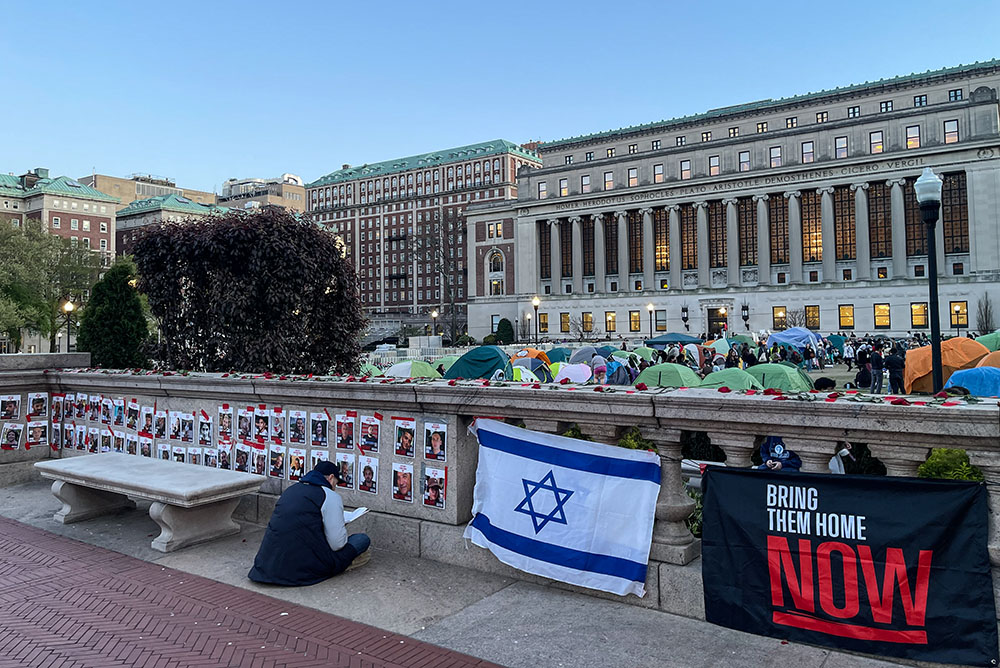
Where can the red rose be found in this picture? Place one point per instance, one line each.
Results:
(486, 383)
(641, 386)
(749, 392)
(950, 403)
(899, 402)
(813, 391)
(536, 386)
(941, 395)
(780, 398)
(833, 395)
(772, 391)
(452, 382)
(598, 389)
(724, 389)
(564, 381)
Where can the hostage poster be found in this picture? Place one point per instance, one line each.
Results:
(890, 566)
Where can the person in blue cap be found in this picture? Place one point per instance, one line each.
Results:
(775, 456)
(306, 539)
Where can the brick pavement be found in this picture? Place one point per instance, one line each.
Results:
(67, 603)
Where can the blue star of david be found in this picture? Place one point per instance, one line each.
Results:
(557, 514)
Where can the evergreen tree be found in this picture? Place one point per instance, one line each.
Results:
(113, 327)
(505, 331)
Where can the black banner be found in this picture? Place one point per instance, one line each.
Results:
(890, 566)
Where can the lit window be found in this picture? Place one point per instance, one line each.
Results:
(822, 116)
(808, 152)
(918, 315)
(885, 106)
(634, 321)
(609, 180)
(706, 136)
(919, 100)
(955, 95)
(685, 170)
(744, 161)
(633, 148)
(913, 136)
(542, 190)
(762, 127)
(588, 321)
(775, 153)
(734, 132)
(875, 141)
(543, 322)
(611, 152)
(792, 122)
(655, 145)
(564, 322)
(779, 318)
(563, 187)
(714, 165)
(853, 112)
(658, 173)
(951, 132)
(959, 313)
(840, 145)
(680, 141)
(812, 317)
(569, 160)
(610, 321)
(846, 316)
(589, 156)
(585, 183)
(882, 318)
(633, 177)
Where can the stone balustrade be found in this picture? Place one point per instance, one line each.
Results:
(900, 436)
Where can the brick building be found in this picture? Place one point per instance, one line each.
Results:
(403, 226)
(142, 186)
(154, 210)
(286, 191)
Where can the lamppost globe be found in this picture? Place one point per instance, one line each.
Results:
(535, 303)
(928, 187)
(68, 307)
(649, 308)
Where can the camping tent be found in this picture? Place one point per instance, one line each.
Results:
(665, 340)
(534, 365)
(668, 375)
(576, 373)
(479, 362)
(798, 337)
(956, 353)
(991, 341)
(605, 351)
(734, 379)
(645, 353)
(445, 361)
(780, 377)
(838, 341)
(993, 359)
(982, 381)
(582, 355)
(370, 370)
(532, 353)
(411, 369)
(559, 355)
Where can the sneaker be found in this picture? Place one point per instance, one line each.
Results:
(360, 560)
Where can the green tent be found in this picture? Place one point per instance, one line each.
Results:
(479, 362)
(781, 377)
(558, 355)
(645, 353)
(720, 346)
(991, 341)
(742, 338)
(370, 370)
(734, 379)
(672, 337)
(838, 341)
(668, 375)
(445, 361)
(412, 369)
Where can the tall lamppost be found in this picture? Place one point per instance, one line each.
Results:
(68, 309)
(536, 302)
(434, 321)
(745, 312)
(528, 316)
(928, 189)
(958, 319)
(725, 322)
(649, 307)
(684, 318)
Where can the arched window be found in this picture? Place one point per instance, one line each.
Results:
(496, 262)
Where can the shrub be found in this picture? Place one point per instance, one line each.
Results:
(113, 326)
(489, 340)
(505, 331)
(574, 432)
(633, 440)
(949, 464)
(693, 521)
(697, 445)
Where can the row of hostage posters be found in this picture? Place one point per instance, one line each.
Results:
(891, 566)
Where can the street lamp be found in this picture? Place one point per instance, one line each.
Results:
(434, 321)
(68, 309)
(745, 312)
(684, 317)
(536, 302)
(528, 316)
(957, 318)
(649, 307)
(725, 322)
(928, 189)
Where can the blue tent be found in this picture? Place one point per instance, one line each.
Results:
(982, 381)
(673, 337)
(479, 362)
(798, 337)
(558, 354)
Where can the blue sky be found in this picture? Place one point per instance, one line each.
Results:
(205, 91)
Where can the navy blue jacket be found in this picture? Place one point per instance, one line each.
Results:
(774, 448)
(295, 551)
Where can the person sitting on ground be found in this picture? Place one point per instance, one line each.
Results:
(440, 369)
(306, 539)
(775, 456)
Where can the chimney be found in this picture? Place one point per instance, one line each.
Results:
(346, 166)
(32, 177)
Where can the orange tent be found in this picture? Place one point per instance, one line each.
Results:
(531, 352)
(993, 359)
(956, 353)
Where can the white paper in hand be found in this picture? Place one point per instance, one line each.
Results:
(354, 514)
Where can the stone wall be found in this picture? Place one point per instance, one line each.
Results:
(900, 435)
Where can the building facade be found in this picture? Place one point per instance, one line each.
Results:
(142, 186)
(403, 226)
(155, 210)
(286, 191)
(798, 211)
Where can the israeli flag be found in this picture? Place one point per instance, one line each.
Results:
(565, 509)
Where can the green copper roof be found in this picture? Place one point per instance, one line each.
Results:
(10, 185)
(762, 105)
(433, 159)
(171, 202)
(64, 185)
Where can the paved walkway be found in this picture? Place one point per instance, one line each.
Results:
(67, 603)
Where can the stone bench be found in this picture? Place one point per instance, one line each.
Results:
(192, 504)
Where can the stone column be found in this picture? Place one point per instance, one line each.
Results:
(738, 447)
(555, 256)
(577, 250)
(898, 228)
(600, 283)
(472, 261)
(732, 243)
(862, 240)
(622, 217)
(763, 240)
(648, 258)
(989, 462)
(794, 236)
(829, 234)
(672, 541)
(675, 246)
(704, 275)
(814, 453)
